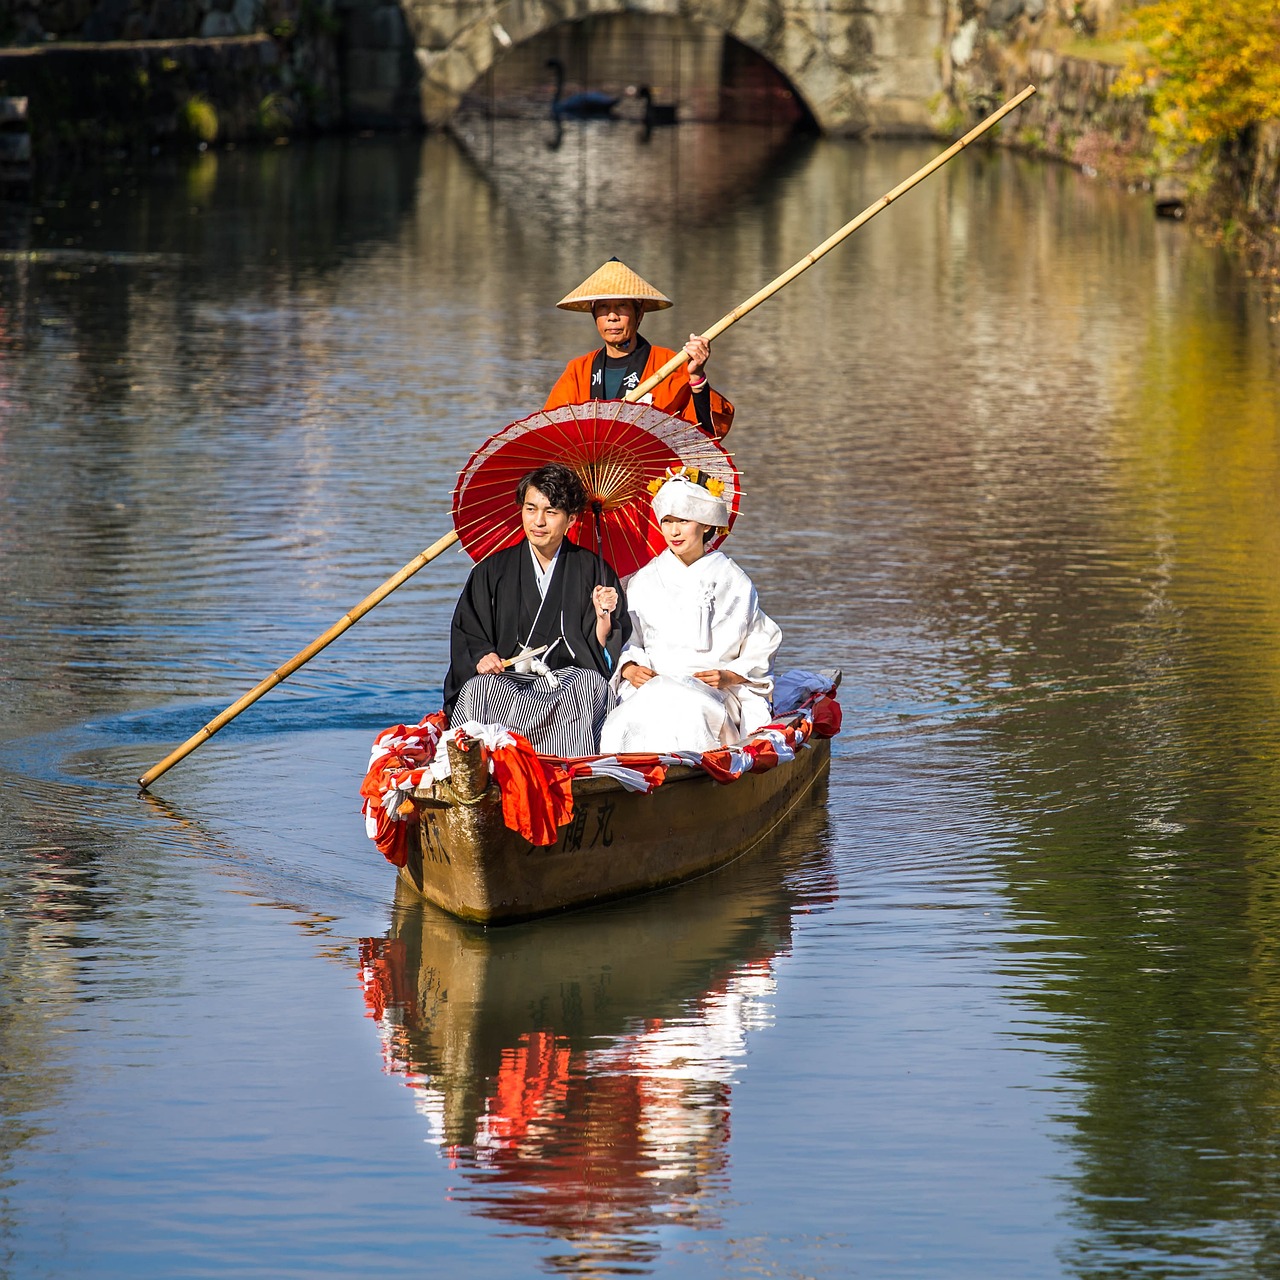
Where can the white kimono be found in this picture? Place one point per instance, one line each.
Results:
(687, 618)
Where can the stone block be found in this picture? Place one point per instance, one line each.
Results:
(799, 50)
(718, 13)
(891, 117)
(825, 86)
(888, 9)
(758, 24)
(905, 37)
(445, 77)
(437, 28)
(524, 19)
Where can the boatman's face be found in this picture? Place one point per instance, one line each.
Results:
(544, 525)
(617, 321)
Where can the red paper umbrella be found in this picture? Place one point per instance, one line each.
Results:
(616, 449)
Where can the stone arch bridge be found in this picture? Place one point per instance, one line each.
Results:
(858, 66)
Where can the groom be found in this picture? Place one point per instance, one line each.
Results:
(541, 592)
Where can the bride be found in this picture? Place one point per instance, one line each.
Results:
(697, 673)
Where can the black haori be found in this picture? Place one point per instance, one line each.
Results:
(501, 611)
(559, 720)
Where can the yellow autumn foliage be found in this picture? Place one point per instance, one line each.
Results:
(1211, 67)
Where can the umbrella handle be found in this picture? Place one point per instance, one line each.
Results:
(597, 512)
(830, 243)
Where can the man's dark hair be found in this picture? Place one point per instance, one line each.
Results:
(558, 484)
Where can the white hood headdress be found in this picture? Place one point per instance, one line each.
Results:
(680, 497)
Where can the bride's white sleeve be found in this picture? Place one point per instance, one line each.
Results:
(761, 637)
(632, 651)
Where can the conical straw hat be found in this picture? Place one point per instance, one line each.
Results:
(614, 280)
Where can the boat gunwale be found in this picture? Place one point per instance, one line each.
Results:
(590, 785)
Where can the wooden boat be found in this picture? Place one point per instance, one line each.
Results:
(462, 857)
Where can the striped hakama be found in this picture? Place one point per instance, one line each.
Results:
(560, 720)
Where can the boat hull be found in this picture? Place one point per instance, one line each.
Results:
(463, 858)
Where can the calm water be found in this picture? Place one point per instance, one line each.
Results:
(1006, 1005)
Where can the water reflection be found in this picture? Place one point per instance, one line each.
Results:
(564, 172)
(1017, 445)
(578, 1072)
(1134, 754)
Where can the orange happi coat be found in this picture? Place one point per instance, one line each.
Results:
(672, 395)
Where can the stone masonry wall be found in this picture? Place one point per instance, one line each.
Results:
(997, 47)
(114, 78)
(31, 22)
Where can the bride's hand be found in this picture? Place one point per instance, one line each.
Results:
(636, 675)
(719, 679)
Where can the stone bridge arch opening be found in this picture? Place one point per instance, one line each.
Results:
(701, 71)
(873, 66)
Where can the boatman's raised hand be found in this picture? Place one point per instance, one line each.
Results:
(698, 349)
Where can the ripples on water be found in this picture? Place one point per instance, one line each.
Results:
(1004, 1006)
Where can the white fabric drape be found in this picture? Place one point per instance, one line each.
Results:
(688, 618)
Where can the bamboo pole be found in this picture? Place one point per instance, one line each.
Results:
(830, 243)
(348, 619)
(351, 618)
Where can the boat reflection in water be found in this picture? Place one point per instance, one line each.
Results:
(579, 1070)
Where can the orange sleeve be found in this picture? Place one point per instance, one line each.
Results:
(574, 384)
(674, 395)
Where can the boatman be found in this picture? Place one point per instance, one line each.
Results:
(549, 595)
(617, 298)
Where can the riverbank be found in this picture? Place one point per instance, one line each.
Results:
(1079, 118)
(101, 101)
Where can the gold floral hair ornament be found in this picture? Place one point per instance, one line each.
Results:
(712, 484)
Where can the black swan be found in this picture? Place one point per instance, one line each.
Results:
(655, 113)
(590, 103)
